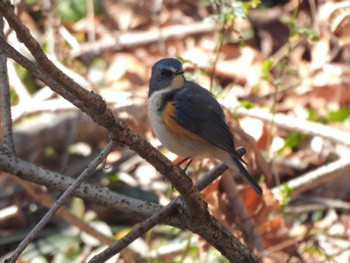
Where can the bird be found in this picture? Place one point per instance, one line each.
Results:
(188, 120)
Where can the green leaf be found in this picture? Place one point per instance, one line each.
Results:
(286, 194)
(313, 115)
(293, 140)
(74, 10)
(266, 70)
(13, 97)
(50, 152)
(113, 178)
(339, 115)
(247, 104)
(309, 33)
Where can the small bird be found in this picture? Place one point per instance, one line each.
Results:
(188, 120)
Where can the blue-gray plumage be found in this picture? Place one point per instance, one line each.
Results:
(188, 120)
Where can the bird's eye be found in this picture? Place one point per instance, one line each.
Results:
(166, 72)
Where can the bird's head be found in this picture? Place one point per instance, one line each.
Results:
(166, 73)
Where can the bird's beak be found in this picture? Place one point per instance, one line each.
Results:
(179, 73)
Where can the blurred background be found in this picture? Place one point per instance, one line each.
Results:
(277, 67)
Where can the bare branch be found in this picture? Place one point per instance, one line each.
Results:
(129, 40)
(39, 73)
(96, 107)
(23, 34)
(6, 137)
(160, 216)
(99, 195)
(303, 126)
(136, 232)
(194, 211)
(315, 178)
(63, 198)
(41, 195)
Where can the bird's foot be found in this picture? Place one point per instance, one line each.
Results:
(187, 165)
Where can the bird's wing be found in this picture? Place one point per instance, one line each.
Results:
(198, 111)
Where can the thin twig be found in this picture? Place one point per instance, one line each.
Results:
(63, 198)
(40, 195)
(135, 233)
(5, 112)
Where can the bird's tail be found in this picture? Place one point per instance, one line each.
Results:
(249, 178)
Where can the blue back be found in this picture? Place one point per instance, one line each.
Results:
(198, 111)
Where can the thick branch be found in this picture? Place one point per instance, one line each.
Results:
(101, 196)
(96, 107)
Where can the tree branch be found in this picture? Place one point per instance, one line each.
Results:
(63, 198)
(99, 195)
(42, 196)
(6, 136)
(96, 107)
(295, 124)
(129, 40)
(310, 180)
(194, 212)
(160, 216)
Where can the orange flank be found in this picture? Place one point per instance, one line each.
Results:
(168, 117)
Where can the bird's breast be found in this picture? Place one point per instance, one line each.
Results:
(174, 137)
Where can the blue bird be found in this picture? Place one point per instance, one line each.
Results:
(188, 120)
